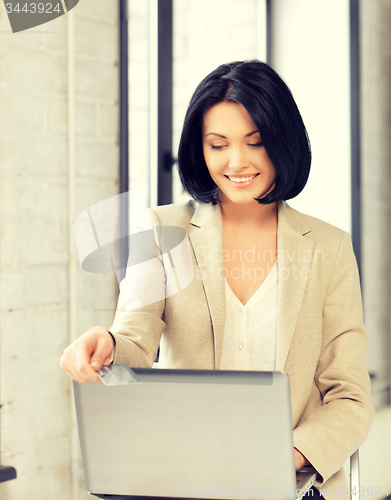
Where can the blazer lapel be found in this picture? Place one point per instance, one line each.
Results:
(207, 242)
(294, 258)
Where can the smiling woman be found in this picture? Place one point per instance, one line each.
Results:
(260, 298)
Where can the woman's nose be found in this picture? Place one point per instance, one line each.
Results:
(237, 159)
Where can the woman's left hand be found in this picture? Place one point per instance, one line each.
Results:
(300, 460)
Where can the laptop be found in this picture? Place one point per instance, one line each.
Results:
(148, 432)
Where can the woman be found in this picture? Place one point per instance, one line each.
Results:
(244, 150)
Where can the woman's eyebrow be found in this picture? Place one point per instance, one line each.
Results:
(218, 135)
(223, 136)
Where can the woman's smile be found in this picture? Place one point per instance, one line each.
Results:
(241, 181)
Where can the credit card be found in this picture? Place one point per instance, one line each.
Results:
(117, 375)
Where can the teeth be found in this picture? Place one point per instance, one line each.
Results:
(241, 179)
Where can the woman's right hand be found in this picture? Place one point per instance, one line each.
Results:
(86, 355)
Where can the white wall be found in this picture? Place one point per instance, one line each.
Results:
(310, 50)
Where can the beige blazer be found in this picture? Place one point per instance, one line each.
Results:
(321, 339)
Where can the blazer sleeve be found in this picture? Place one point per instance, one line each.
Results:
(335, 430)
(138, 323)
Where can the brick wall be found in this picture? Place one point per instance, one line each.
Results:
(38, 434)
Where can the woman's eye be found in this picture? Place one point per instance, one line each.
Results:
(257, 145)
(216, 147)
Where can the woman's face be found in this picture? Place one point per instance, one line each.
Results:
(234, 154)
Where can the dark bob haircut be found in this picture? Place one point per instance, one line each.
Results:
(271, 106)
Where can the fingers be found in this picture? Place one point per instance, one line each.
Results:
(299, 459)
(102, 351)
(87, 354)
(83, 365)
(75, 367)
(107, 361)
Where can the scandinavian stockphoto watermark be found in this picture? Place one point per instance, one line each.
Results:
(27, 14)
(153, 262)
(258, 492)
(255, 263)
(240, 492)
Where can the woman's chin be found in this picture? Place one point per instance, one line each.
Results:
(239, 198)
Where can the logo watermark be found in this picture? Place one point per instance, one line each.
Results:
(157, 259)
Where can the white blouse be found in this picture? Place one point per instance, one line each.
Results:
(251, 330)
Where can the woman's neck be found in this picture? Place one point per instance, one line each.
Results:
(248, 214)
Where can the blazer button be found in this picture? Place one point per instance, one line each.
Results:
(241, 346)
(242, 310)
